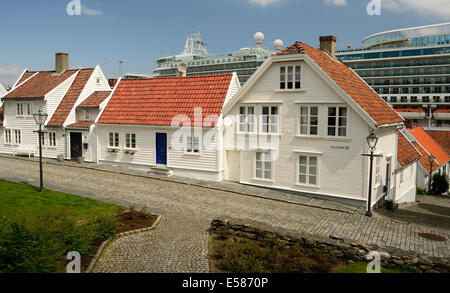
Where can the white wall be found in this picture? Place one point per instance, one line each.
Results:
(406, 191)
(201, 166)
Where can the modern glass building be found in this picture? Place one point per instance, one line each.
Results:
(197, 61)
(410, 69)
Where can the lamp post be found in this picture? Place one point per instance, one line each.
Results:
(372, 141)
(40, 118)
(431, 173)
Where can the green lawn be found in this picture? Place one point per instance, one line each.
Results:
(361, 268)
(20, 201)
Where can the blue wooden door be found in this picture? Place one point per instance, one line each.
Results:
(161, 148)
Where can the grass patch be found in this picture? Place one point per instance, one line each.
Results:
(22, 202)
(361, 268)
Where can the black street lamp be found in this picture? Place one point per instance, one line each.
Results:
(40, 118)
(372, 141)
(431, 173)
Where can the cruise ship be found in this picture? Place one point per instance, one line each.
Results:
(410, 69)
(196, 60)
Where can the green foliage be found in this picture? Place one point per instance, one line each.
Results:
(421, 191)
(42, 246)
(439, 184)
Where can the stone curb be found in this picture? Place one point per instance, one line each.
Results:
(119, 235)
(186, 183)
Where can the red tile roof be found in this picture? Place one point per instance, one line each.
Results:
(350, 82)
(39, 85)
(412, 110)
(425, 160)
(81, 124)
(406, 151)
(442, 138)
(429, 144)
(69, 100)
(27, 74)
(95, 99)
(443, 111)
(157, 101)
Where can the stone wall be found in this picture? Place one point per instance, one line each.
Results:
(390, 257)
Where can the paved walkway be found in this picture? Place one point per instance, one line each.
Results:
(188, 211)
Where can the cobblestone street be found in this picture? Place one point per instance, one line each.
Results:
(179, 243)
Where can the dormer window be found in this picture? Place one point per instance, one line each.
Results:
(290, 77)
(87, 116)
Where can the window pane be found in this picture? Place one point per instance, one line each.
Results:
(258, 156)
(312, 180)
(331, 131)
(331, 121)
(304, 130)
(259, 165)
(242, 110)
(302, 169)
(313, 130)
(258, 173)
(302, 179)
(267, 175)
(342, 131)
(314, 111)
(265, 110)
(303, 160)
(267, 165)
(332, 111)
(304, 111)
(250, 110)
(313, 161)
(342, 121)
(342, 111)
(274, 110)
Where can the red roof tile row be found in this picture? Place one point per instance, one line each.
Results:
(430, 146)
(39, 85)
(95, 99)
(442, 138)
(69, 100)
(81, 124)
(157, 101)
(406, 151)
(350, 82)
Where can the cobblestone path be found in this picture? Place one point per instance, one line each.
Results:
(179, 243)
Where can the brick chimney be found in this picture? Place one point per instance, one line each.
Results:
(61, 62)
(328, 45)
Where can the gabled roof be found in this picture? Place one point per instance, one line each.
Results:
(356, 88)
(431, 147)
(71, 97)
(442, 138)
(94, 100)
(157, 101)
(425, 160)
(407, 153)
(38, 85)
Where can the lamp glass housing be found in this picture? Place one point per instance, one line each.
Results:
(372, 140)
(40, 117)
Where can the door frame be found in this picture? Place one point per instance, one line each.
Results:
(156, 148)
(70, 144)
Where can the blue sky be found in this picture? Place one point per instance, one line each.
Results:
(138, 31)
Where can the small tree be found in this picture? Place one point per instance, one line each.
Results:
(439, 184)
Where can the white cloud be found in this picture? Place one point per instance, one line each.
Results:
(90, 12)
(439, 8)
(9, 74)
(336, 2)
(264, 3)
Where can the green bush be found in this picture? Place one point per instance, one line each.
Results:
(439, 185)
(421, 191)
(42, 246)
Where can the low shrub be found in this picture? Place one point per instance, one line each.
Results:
(42, 246)
(439, 185)
(421, 191)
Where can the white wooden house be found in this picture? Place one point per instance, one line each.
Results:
(300, 124)
(141, 125)
(58, 93)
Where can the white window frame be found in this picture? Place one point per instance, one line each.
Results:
(129, 137)
(19, 131)
(52, 139)
(308, 120)
(308, 171)
(115, 140)
(245, 121)
(8, 136)
(29, 109)
(270, 120)
(377, 170)
(263, 166)
(338, 118)
(193, 144)
(19, 110)
(290, 74)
